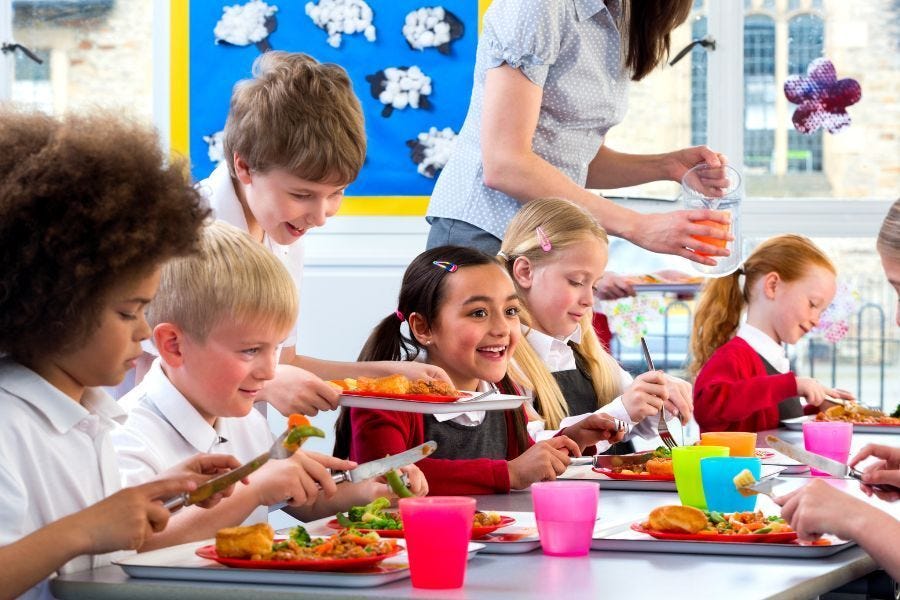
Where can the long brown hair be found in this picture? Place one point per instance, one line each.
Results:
(722, 301)
(647, 32)
(564, 224)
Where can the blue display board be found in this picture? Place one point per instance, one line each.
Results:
(388, 170)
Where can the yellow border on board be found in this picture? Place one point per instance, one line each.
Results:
(179, 118)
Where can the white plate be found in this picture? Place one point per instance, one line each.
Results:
(586, 473)
(180, 562)
(492, 402)
(796, 424)
(621, 538)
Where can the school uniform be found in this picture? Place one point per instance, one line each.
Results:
(58, 458)
(164, 429)
(218, 190)
(577, 388)
(473, 447)
(746, 385)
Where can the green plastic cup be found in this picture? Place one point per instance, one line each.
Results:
(686, 464)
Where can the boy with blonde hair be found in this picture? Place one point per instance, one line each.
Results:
(294, 140)
(218, 322)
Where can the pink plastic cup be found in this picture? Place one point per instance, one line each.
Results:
(437, 531)
(565, 512)
(828, 438)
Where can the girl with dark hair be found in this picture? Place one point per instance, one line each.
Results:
(462, 312)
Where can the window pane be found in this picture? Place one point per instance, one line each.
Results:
(97, 53)
(759, 93)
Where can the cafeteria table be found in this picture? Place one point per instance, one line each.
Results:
(536, 576)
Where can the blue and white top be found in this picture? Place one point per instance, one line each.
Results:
(571, 49)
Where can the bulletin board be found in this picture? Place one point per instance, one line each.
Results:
(203, 73)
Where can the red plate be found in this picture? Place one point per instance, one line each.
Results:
(322, 564)
(415, 397)
(634, 476)
(766, 538)
(477, 532)
(763, 453)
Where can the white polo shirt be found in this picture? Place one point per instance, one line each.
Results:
(218, 190)
(57, 458)
(559, 356)
(164, 429)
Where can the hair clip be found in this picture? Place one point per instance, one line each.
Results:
(447, 266)
(543, 240)
(399, 315)
(502, 255)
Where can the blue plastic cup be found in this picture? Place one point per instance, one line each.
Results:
(718, 472)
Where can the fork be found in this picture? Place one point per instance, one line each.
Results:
(661, 427)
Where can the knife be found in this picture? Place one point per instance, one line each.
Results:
(374, 468)
(822, 463)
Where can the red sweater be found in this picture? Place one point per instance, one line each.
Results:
(377, 433)
(733, 392)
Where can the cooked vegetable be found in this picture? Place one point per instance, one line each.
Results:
(300, 429)
(896, 413)
(300, 536)
(370, 516)
(397, 485)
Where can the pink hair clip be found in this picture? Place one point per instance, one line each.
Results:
(447, 266)
(399, 315)
(543, 240)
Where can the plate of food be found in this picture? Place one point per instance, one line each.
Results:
(255, 547)
(374, 518)
(665, 281)
(655, 465)
(864, 420)
(398, 393)
(683, 523)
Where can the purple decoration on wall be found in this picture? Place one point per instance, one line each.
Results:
(821, 97)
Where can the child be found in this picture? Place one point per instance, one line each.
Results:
(218, 320)
(556, 253)
(744, 381)
(294, 139)
(89, 209)
(463, 315)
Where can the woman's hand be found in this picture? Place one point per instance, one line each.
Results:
(677, 163)
(542, 462)
(296, 390)
(674, 232)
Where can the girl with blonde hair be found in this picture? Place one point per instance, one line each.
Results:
(556, 254)
(744, 381)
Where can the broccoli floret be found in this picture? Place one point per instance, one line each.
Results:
(300, 536)
(374, 509)
(355, 514)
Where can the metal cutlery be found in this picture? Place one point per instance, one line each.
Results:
(661, 426)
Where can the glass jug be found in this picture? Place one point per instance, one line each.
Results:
(696, 196)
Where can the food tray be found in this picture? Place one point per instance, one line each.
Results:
(647, 485)
(181, 563)
(492, 402)
(796, 424)
(622, 538)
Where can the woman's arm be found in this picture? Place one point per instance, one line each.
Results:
(611, 169)
(512, 167)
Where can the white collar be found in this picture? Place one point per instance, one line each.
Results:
(546, 345)
(61, 411)
(178, 410)
(765, 346)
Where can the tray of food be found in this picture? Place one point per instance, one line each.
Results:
(687, 530)
(396, 392)
(665, 281)
(864, 420)
(374, 517)
(253, 554)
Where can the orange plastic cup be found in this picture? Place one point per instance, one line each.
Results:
(709, 240)
(742, 443)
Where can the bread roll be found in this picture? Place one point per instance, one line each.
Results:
(677, 519)
(246, 541)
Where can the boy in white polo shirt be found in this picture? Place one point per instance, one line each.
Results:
(89, 209)
(294, 140)
(218, 322)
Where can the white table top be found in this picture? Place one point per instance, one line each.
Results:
(536, 576)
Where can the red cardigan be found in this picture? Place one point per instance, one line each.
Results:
(377, 433)
(733, 393)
